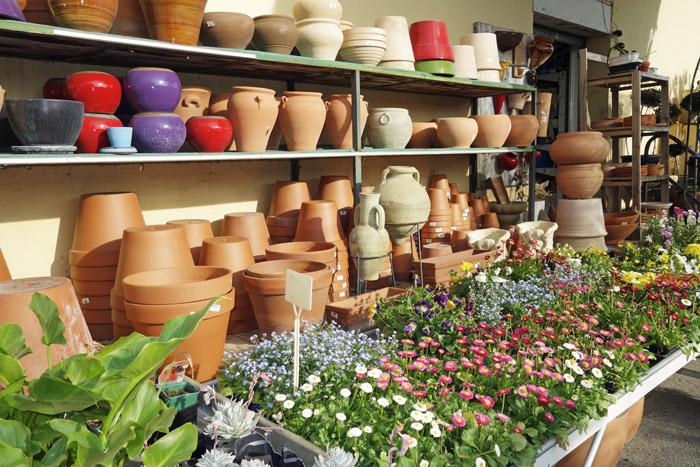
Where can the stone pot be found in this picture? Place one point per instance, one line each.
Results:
(196, 231)
(424, 134)
(338, 123)
(253, 113)
(93, 135)
(368, 240)
(489, 239)
(174, 21)
(99, 92)
(130, 20)
(523, 130)
(610, 450)
(287, 197)
(152, 89)
(389, 128)
(580, 218)
(45, 122)
(582, 244)
(580, 147)
(209, 134)
(227, 29)
(319, 38)
(275, 33)
(579, 181)
(302, 116)
(158, 132)
(405, 202)
(194, 102)
(319, 221)
(305, 9)
(539, 233)
(88, 15)
(493, 130)
(457, 132)
(485, 49)
(232, 253)
(249, 225)
(465, 62)
(399, 48)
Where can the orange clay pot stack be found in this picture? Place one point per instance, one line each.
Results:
(250, 225)
(339, 189)
(479, 207)
(102, 218)
(402, 257)
(196, 231)
(438, 228)
(283, 215)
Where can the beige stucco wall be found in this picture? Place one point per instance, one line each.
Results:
(38, 205)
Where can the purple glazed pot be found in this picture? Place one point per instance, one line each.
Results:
(10, 10)
(153, 89)
(158, 132)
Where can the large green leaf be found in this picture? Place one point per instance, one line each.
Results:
(83, 371)
(12, 341)
(183, 326)
(53, 396)
(56, 456)
(11, 372)
(14, 457)
(79, 438)
(45, 309)
(116, 356)
(177, 446)
(13, 434)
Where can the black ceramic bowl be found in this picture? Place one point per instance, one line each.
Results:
(45, 122)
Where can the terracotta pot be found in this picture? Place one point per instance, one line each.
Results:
(92, 303)
(389, 128)
(196, 231)
(253, 113)
(579, 181)
(609, 452)
(93, 134)
(336, 188)
(250, 225)
(158, 132)
(233, 253)
(272, 312)
(37, 11)
(523, 130)
(218, 104)
(458, 132)
(275, 33)
(319, 221)
(177, 285)
(582, 147)
(490, 221)
(15, 297)
(99, 92)
(402, 257)
(227, 29)
(544, 103)
(540, 49)
(130, 20)
(174, 21)
(423, 135)
(88, 15)
(319, 252)
(493, 130)
(460, 239)
(302, 116)
(485, 49)
(439, 202)
(287, 198)
(399, 48)
(339, 120)
(404, 200)
(621, 218)
(618, 233)
(97, 317)
(98, 288)
(4, 270)
(634, 419)
(305, 9)
(152, 89)
(319, 38)
(209, 134)
(369, 241)
(580, 218)
(194, 102)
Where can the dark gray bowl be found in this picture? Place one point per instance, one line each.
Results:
(45, 122)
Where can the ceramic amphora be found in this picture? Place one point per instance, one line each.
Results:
(253, 112)
(302, 116)
(406, 203)
(369, 239)
(339, 119)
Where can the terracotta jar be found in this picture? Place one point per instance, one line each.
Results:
(634, 419)
(458, 132)
(272, 312)
(319, 38)
(88, 15)
(15, 297)
(250, 225)
(275, 33)
(389, 128)
(405, 202)
(4, 270)
(459, 240)
(581, 147)
(523, 130)
(196, 231)
(227, 29)
(233, 253)
(368, 240)
(423, 135)
(194, 102)
(130, 20)
(253, 113)
(319, 221)
(493, 130)
(610, 450)
(580, 218)
(174, 21)
(339, 120)
(579, 181)
(287, 197)
(305, 9)
(302, 116)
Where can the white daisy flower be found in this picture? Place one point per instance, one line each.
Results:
(366, 387)
(424, 463)
(345, 392)
(341, 416)
(399, 399)
(416, 415)
(597, 373)
(479, 462)
(383, 402)
(417, 426)
(280, 397)
(307, 413)
(360, 370)
(497, 450)
(354, 432)
(288, 404)
(306, 387)
(569, 378)
(367, 429)
(435, 432)
(607, 363)
(374, 373)
(313, 379)
(587, 383)
(419, 406)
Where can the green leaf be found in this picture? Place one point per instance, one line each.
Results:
(11, 372)
(47, 312)
(80, 438)
(177, 446)
(53, 396)
(12, 341)
(116, 356)
(531, 432)
(183, 326)
(13, 434)
(83, 371)
(13, 457)
(56, 456)
(519, 442)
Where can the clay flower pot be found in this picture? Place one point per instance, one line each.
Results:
(130, 20)
(177, 285)
(45, 122)
(319, 221)
(227, 29)
(319, 38)
(158, 132)
(405, 202)
(253, 112)
(209, 134)
(305, 9)
(431, 41)
(174, 21)
(493, 130)
(423, 135)
(485, 49)
(4, 270)
(152, 89)
(336, 188)
(320, 252)
(439, 202)
(523, 130)
(580, 218)
(402, 257)
(579, 181)
(196, 231)
(398, 40)
(302, 116)
(88, 15)
(93, 135)
(581, 147)
(275, 33)
(458, 132)
(287, 198)
(620, 218)
(99, 92)
(194, 102)
(389, 128)
(80, 273)
(15, 297)
(434, 250)
(250, 225)
(490, 221)
(232, 253)
(465, 62)
(272, 312)
(618, 233)
(339, 120)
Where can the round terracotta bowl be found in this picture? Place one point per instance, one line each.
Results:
(321, 252)
(88, 302)
(319, 221)
(434, 250)
(196, 231)
(177, 285)
(523, 130)
(287, 197)
(581, 147)
(250, 225)
(618, 233)
(493, 131)
(99, 288)
(232, 253)
(78, 273)
(159, 314)
(515, 207)
(424, 134)
(102, 218)
(621, 218)
(579, 181)
(457, 132)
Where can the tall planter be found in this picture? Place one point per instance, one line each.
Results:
(405, 202)
(253, 112)
(302, 116)
(339, 119)
(174, 21)
(368, 240)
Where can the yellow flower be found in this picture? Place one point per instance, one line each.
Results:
(692, 250)
(450, 305)
(372, 310)
(631, 277)
(664, 258)
(467, 266)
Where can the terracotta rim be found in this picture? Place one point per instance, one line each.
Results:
(160, 314)
(177, 285)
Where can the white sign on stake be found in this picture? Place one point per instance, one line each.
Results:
(298, 292)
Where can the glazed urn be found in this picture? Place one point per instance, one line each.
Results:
(457, 132)
(275, 33)
(209, 134)
(100, 92)
(194, 102)
(88, 15)
(54, 88)
(431, 41)
(389, 128)
(174, 21)
(253, 113)
(153, 89)
(580, 147)
(305, 9)
(338, 123)
(319, 38)
(302, 117)
(368, 240)
(523, 130)
(579, 181)
(493, 130)
(158, 132)
(227, 29)
(45, 122)
(93, 135)
(406, 203)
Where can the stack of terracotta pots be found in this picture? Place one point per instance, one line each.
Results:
(94, 256)
(480, 208)
(196, 231)
(488, 63)
(339, 189)
(319, 252)
(438, 229)
(249, 225)
(432, 48)
(236, 255)
(146, 249)
(283, 215)
(620, 225)
(461, 223)
(581, 223)
(402, 256)
(152, 298)
(579, 156)
(319, 221)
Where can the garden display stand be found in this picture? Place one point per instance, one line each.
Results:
(359, 289)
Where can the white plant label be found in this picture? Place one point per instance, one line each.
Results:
(298, 292)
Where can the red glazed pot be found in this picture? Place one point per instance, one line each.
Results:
(100, 92)
(430, 41)
(508, 161)
(209, 134)
(93, 135)
(54, 88)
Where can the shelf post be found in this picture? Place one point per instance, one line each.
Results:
(665, 147)
(356, 132)
(532, 171)
(294, 168)
(473, 161)
(637, 139)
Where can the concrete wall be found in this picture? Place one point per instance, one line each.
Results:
(38, 205)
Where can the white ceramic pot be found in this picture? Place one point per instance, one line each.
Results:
(489, 240)
(305, 9)
(582, 244)
(581, 218)
(399, 46)
(389, 128)
(319, 38)
(363, 45)
(465, 63)
(399, 64)
(489, 75)
(369, 239)
(517, 101)
(345, 25)
(485, 49)
(541, 233)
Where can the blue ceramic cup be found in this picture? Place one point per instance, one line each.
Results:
(120, 137)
